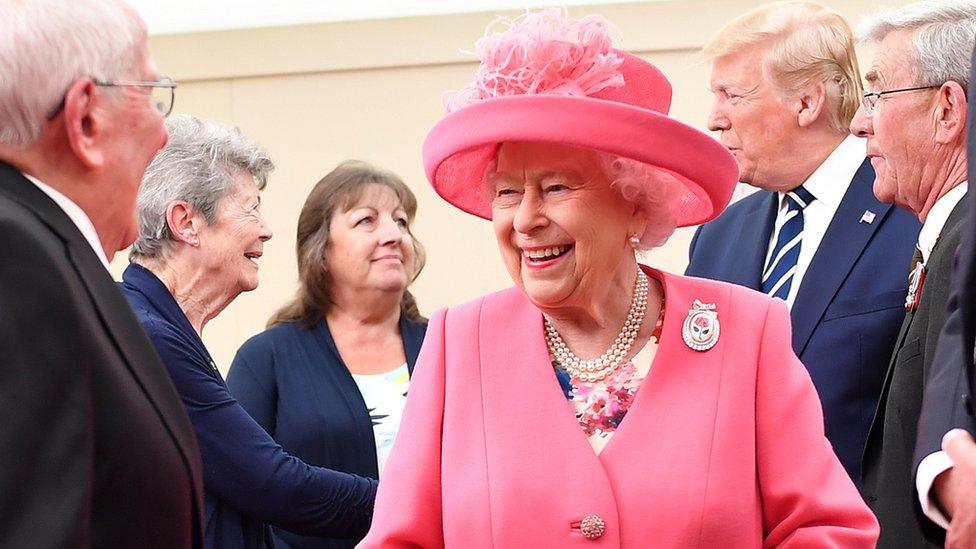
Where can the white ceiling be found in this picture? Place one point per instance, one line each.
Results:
(175, 16)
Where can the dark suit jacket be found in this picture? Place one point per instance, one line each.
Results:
(95, 448)
(249, 480)
(293, 382)
(948, 395)
(887, 468)
(849, 305)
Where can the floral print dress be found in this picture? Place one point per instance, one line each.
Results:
(600, 406)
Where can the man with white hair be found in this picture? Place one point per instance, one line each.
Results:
(785, 84)
(914, 118)
(95, 448)
(945, 454)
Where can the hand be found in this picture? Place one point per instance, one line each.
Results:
(955, 489)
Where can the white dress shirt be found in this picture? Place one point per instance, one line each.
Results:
(828, 184)
(77, 216)
(935, 463)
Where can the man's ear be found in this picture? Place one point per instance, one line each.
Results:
(183, 222)
(950, 113)
(810, 105)
(82, 124)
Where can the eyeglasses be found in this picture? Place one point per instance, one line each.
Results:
(163, 91)
(870, 99)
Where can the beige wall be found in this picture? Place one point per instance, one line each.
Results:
(315, 95)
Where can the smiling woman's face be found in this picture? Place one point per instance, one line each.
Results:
(369, 246)
(235, 240)
(562, 230)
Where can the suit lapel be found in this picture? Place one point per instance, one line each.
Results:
(524, 362)
(877, 424)
(121, 325)
(966, 286)
(19, 189)
(847, 238)
(745, 268)
(123, 328)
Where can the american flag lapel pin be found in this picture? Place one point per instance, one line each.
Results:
(867, 217)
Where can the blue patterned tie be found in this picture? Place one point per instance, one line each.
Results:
(777, 277)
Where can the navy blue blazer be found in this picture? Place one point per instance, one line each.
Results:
(248, 479)
(850, 304)
(293, 382)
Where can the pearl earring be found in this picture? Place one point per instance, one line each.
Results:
(634, 241)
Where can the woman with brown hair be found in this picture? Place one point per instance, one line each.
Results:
(328, 379)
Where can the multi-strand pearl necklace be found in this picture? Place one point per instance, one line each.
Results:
(598, 368)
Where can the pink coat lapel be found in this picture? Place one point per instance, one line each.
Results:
(529, 422)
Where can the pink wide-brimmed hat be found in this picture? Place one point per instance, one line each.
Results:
(546, 78)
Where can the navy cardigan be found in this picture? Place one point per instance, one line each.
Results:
(248, 479)
(293, 382)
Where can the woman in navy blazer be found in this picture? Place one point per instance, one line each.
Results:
(328, 379)
(200, 234)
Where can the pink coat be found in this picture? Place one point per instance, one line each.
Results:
(722, 448)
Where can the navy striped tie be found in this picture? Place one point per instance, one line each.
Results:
(777, 277)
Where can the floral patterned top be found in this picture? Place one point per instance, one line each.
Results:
(600, 406)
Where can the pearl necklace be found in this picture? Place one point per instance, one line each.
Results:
(598, 368)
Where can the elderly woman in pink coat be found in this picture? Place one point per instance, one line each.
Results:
(599, 402)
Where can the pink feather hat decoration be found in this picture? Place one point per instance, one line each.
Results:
(547, 78)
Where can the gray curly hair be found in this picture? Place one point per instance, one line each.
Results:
(198, 165)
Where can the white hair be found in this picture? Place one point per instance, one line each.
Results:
(45, 45)
(199, 166)
(654, 190)
(945, 32)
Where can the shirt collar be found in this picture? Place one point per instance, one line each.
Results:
(829, 182)
(76, 214)
(937, 218)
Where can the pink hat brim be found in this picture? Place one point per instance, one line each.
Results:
(458, 150)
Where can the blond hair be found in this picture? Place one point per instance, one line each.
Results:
(806, 44)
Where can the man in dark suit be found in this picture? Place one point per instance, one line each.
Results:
(814, 234)
(95, 449)
(914, 118)
(945, 455)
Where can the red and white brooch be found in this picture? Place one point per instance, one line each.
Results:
(701, 329)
